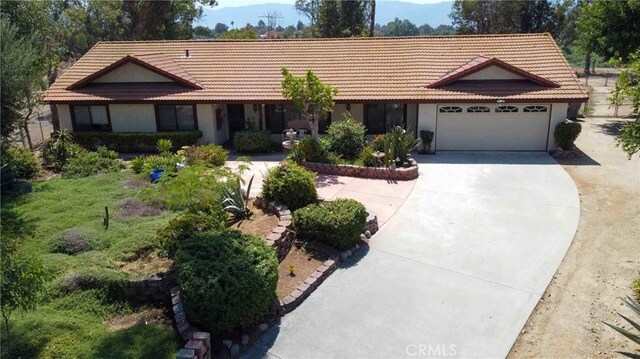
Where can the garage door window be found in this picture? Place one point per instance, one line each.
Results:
(450, 109)
(478, 109)
(535, 109)
(506, 109)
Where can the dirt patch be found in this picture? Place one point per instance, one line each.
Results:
(136, 183)
(261, 223)
(602, 261)
(130, 207)
(296, 267)
(145, 316)
(147, 264)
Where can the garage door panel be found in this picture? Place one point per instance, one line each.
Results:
(492, 131)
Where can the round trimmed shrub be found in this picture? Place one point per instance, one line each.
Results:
(311, 150)
(337, 223)
(346, 137)
(24, 163)
(291, 185)
(186, 225)
(566, 133)
(227, 279)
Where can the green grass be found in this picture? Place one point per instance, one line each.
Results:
(73, 324)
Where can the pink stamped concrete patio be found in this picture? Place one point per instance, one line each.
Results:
(383, 197)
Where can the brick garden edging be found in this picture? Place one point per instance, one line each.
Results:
(401, 174)
(198, 344)
(150, 289)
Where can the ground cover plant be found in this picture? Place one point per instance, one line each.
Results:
(62, 225)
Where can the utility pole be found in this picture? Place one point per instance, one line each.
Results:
(272, 20)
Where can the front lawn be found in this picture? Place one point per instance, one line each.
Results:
(63, 219)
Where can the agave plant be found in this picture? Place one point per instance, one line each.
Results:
(236, 201)
(632, 336)
(398, 144)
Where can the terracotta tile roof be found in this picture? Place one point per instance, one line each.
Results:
(364, 69)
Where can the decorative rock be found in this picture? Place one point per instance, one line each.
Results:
(349, 252)
(284, 223)
(343, 256)
(234, 351)
(356, 247)
(227, 343)
(263, 327)
(244, 339)
(279, 229)
(186, 354)
(363, 238)
(367, 233)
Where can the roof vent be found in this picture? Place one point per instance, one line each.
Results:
(186, 54)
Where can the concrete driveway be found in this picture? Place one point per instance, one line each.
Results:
(454, 273)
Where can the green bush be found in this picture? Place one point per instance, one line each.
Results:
(87, 163)
(186, 225)
(166, 161)
(252, 141)
(377, 143)
(208, 154)
(311, 150)
(346, 137)
(367, 157)
(566, 133)
(164, 145)
(137, 164)
(24, 163)
(337, 223)
(59, 149)
(128, 142)
(72, 241)
(291, 185)
(195, 188)
(227, 279)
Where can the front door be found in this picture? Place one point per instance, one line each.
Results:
(235, 116)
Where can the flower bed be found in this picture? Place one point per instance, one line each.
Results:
(400, 174)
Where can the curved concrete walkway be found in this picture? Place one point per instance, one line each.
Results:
(455, 272)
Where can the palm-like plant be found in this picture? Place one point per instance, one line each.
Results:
(634, 337)
(397, 146)
(236, 201)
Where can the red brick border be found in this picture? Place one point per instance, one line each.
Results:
(400, 174)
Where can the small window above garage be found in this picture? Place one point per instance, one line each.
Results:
(506, 109)
(450, 109)
(535, 108)
(476, 109)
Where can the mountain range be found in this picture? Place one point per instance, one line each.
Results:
(433, 14)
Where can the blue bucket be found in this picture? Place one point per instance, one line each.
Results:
(156, 174)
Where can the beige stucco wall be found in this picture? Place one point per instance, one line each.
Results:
(356, 110)
(132, 73)
(132, 117)
(493, 73)
(558, 114)
(427, 118)
(64, 115)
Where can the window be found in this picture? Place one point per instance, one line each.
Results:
(478, 109)
(91, 118)
(381, 117)
(450, 109)
(506, 109)
(278, 117)
(176, 117)
(535, 108)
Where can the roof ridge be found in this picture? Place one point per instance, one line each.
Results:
(312, 39)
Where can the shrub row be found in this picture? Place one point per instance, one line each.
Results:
(135, 141)
(337, 223)
(252, 141)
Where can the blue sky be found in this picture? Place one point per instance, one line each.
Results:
(235, 3)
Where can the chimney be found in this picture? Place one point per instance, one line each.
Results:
(186, 53)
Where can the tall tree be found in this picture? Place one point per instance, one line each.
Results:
(244, 33)
(22, 78)
(220, 28)
(610, 28)
(425, 29)
(203, 32)
(372, 18)
(399, 27)
(328, 22)
(311, 97)
(352, 18)
(494, 17)
(310, 9)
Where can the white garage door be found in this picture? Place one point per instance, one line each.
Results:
(492, 127)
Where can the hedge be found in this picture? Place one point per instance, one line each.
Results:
(227, 279)
(337, 223)
(135, 141)
(253, 141)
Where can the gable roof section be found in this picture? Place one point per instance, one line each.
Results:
(155, 62)
(481, 62)
(362, 69)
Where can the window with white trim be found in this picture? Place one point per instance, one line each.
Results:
(535, 108)
(506, 109)
(476, 109)
(450, 109)
(91, 118)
